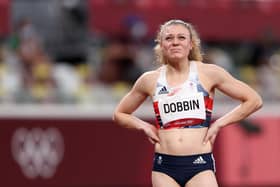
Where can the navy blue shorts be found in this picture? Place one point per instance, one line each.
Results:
(183, 168)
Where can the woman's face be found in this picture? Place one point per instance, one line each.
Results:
(175, 42)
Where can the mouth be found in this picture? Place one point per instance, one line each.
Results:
(175, 50)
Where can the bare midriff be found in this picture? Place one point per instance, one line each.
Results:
(186, 141)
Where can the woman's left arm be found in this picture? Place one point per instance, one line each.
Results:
(238, 90)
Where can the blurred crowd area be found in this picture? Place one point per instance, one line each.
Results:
(75, 66)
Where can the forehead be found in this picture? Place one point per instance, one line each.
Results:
(175, 29)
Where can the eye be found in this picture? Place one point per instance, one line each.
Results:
(182, 37)
(168, 38)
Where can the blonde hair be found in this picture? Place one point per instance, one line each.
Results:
(195, 52)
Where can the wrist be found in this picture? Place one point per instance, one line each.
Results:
(219, 124)
(142, 127)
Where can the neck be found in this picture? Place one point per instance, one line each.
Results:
(178, 73)
(179, 67)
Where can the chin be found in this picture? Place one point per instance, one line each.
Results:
(176, 58)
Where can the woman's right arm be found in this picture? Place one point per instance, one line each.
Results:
(129, 103)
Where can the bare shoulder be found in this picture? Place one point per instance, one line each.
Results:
(213, 71)
(147, 81)
(210, 68)
(149, 76)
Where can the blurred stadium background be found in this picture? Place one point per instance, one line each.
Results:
(64, 64)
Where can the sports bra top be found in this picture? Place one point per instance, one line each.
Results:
(185, 106)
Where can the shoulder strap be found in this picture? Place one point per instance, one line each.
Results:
(162, 75)
(193, 75)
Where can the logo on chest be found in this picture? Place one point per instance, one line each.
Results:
(163, 90)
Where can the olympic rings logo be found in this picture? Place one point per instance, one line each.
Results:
(38, 151)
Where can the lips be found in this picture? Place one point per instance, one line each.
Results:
(175, 50)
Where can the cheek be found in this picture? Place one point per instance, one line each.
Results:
(165, 47)
(188, 46)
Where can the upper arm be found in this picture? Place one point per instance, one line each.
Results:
(142, 88)
(231, 86)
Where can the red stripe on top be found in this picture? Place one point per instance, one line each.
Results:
(155, 105)
(208, 103)
(183, 123)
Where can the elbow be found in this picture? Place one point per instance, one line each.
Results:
(115, 116)
(121, 118)
(258, 103)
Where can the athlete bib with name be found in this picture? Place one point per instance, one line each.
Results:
(182, 107)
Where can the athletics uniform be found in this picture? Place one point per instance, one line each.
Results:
(186, 106)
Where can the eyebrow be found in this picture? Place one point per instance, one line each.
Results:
(179, 34)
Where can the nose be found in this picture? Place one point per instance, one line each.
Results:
(175, 41)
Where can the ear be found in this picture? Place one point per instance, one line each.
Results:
(191, 45)
(160, 43)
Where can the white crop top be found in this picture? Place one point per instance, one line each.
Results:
(187, 105)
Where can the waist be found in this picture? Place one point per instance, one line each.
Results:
(182, 141)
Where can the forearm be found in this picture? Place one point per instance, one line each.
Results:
(129, 121)
(240, 112)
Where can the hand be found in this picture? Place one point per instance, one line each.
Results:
(152, 133)
(212, 134)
